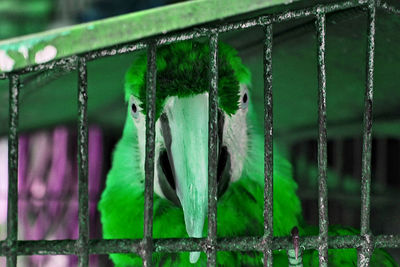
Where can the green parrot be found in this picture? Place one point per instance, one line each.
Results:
(181, 164)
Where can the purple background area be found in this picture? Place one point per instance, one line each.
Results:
(48, 190)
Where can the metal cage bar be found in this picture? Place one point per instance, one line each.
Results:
(366, 250)
(212, 152)
(147, 246)
(322, 142)
(83, 185)
(173, 245)
(268, 146)
(12, 205)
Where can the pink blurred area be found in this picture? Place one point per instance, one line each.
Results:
(48, 189)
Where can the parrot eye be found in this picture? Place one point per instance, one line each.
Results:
(244, 101)
(133, 107)
(245, 98)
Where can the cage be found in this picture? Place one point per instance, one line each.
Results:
(287, 46)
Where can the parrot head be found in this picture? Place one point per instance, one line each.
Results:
(181, 142)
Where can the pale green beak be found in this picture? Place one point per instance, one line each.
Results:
(188, 153)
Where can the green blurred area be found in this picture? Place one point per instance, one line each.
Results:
(20, 17)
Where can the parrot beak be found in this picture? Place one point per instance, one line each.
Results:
(184, 127)
(183, 164)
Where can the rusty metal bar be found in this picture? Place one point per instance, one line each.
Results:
(366, 250)
(147, 246)
(82, 245)
(12, 204)
(268, 146)
(116, 50)
(66, 61)
(212, 152)
(322, 142)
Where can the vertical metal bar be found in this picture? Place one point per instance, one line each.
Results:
(147, 250)
(83, 240)
(322, 143)
(367, 246)
(212, 151)
(12, 207)
(268, 147)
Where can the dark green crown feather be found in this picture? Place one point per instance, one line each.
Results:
(183, 70)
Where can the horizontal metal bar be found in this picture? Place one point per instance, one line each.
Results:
(42, 78)
(115, 50)
(66, 61)
(105, 246)
(388, 8)
(387, 241)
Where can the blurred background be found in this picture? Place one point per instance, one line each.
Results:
(47, 145)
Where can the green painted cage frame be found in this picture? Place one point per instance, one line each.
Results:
(83, 246)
